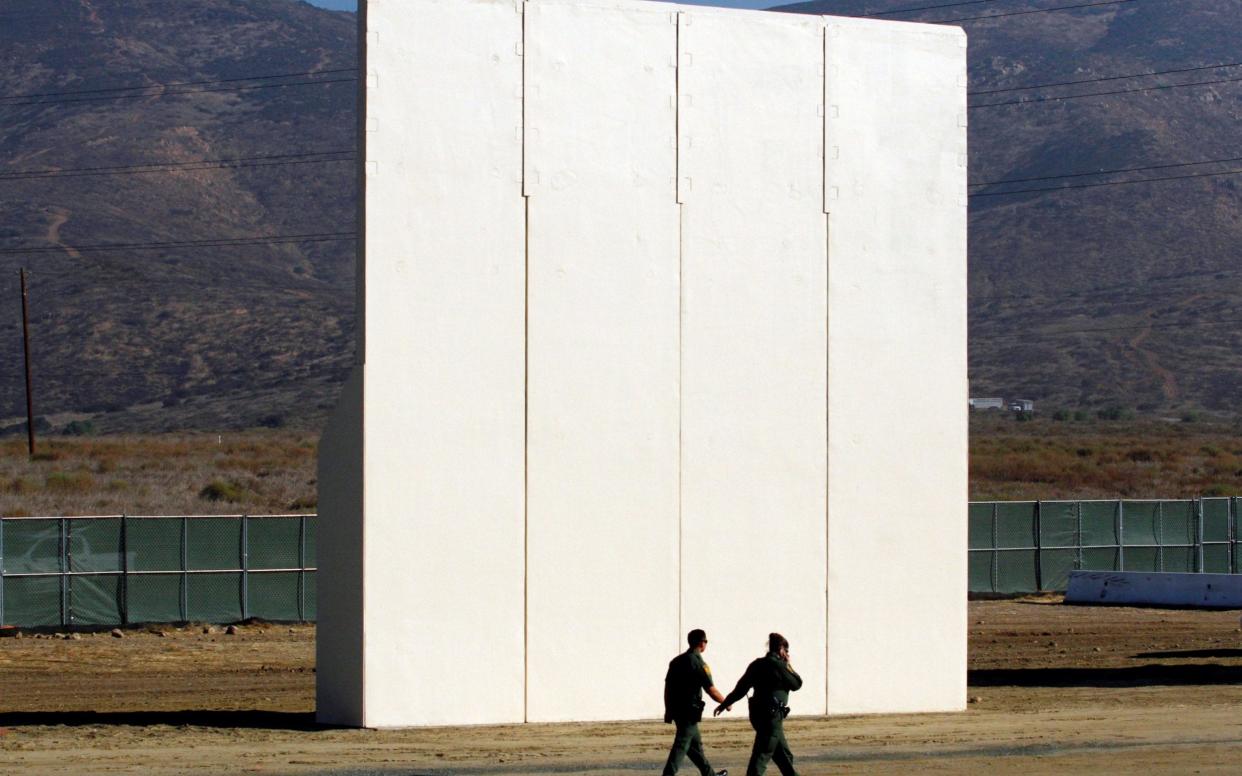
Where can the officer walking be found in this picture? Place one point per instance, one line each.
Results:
(687, 677)
(772, 678)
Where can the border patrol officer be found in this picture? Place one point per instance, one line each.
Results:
(772, 678)
(688, 675)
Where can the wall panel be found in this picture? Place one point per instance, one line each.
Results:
(754, 345)
(896, 193)
(603, 359)
(444, 375)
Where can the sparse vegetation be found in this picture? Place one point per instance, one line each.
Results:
(1048, 459)
(219, 490)
(260, 471)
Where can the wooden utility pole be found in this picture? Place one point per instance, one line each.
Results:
(30, 434)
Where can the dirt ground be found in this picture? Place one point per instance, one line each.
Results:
(1053, 689)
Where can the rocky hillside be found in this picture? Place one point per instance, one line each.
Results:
(232, 120)
(1103, 295)
(189, 336)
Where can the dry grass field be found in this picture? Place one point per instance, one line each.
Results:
(170, 474)
(1054, 689)
(269, 471)
(1048, 459)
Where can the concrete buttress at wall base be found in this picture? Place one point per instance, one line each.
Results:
(643, 293)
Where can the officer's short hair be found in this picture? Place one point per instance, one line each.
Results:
(776, 642)
(696, 637)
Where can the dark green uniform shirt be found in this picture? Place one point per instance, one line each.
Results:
(770, 677)
(688, 676)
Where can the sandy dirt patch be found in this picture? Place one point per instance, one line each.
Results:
(1055, 689)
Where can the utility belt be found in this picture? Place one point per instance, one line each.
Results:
(690, 714)
(767, 707)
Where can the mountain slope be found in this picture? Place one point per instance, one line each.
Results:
(1086, 298)
(1104, 295)
(185, 336)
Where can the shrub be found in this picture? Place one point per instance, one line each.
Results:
(1115, 413)
(272, 421)
(1061, 415)
(79, 428)
(218, 490)
(21, 486)
(69, 482)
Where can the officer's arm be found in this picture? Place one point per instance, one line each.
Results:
(709, 684)
(791, 677)
(743, 686)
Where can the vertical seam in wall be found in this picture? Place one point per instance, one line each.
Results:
(525, 394)
(360, 357)
(681, 312)
(827, 318)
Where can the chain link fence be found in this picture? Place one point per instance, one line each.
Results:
(123, 569)
(1031, 546)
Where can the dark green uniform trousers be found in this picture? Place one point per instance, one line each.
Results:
(687, 742)
(770, 746)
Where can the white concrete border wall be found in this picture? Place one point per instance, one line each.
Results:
(645, 293)
(895, 188)
(602, 443)
(754, 340)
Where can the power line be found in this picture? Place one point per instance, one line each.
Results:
(1111, 289)
(1107, 78)
(181, 91)
(202, 164)
(1108, 183)
(1108, 172)
(213, 243)
(301, 74)
(1101, 329)
(1037, 10)
(925, 8)
(1160, 87)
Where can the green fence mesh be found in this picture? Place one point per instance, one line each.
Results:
(110, 570)
(87, 571)
(1024, 547)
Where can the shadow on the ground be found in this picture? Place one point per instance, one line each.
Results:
(1155, 674)
(1191, 653)
(248, 718)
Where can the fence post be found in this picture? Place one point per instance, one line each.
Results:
(1159, 536)
(302, 568)
(1121, 535)
(185, 569)
(1231, 508)
(1078, 536)
(245, 564)
(995, 554)
(1, 571)
(1039, 547)
(64, 568)
(124, 570)
(1199, 534)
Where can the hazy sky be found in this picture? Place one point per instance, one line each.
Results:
(350, 5)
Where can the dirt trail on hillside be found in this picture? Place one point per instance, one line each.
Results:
(1056, 689)
(60, 217)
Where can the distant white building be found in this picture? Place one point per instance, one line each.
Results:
(996, 403)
